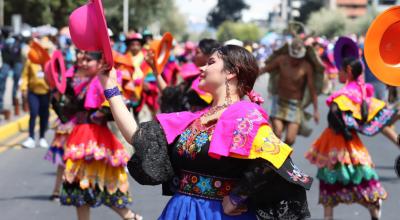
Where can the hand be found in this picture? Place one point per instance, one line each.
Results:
(150, 60)
(316, 117)
(107, 77)
(231, 209)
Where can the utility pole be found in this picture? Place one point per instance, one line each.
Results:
(126, 16)
(1, 13)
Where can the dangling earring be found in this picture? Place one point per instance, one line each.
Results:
(228, 99)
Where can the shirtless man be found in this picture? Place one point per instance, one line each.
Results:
(295, 77)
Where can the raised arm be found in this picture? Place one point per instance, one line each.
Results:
(160, 80)
(122, 116)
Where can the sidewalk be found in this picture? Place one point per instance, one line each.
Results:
(16, 124)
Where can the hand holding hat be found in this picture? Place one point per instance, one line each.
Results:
(149, 58)
(107, 76)
(161, 49)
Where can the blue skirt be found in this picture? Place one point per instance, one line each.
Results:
(184, 207)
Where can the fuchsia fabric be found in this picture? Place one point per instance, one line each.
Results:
(354, 91)
(234, 132)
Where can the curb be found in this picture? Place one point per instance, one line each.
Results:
(14, 127)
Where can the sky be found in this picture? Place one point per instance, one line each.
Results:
(197, 10)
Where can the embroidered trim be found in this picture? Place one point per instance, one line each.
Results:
(297, 175)
(205, 186)
(244, 127)
(193, 139)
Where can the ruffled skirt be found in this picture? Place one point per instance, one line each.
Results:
(345, 171)
(95, 168)
(55, 153)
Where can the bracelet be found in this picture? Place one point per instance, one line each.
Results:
(109, 93)
(236, 200)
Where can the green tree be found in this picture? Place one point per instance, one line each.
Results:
(39, 12)
(173, 21)
(241, 31)
(142, 13)
(307, 8)
(360, 25)
(226, 10)
(329, 23)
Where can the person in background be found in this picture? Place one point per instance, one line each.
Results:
(295, 77)
(184, 97)
(36, 90)
(345, 168)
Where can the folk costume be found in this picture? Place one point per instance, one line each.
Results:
(345, 168)
(237, 155)
(95, 159)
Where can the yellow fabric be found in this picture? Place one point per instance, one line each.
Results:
(138, 74)
(30, 80)
(346, 104)
(206, 97)
(269, 147)
(90, 173)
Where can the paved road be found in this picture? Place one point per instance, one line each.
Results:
(26, 180)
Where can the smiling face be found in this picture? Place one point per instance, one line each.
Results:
(135, 46)
(213, 75)
(91, 65)
(229, 65)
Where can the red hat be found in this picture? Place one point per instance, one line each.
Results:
(88, 29)
(55, 72)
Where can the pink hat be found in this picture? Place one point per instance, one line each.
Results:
(189, 70)
(55, 71)
(88, 29)
(134, 36)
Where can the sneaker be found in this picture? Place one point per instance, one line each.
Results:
(29, 143)
(43, 143)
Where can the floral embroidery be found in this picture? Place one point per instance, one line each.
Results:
(298, 175)
(270, 145)
(193, 139)
(382, 118)
(244, 127)
(205, 186)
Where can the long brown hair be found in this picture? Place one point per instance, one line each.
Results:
(241, 62)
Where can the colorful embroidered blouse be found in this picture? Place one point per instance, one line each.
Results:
(238, 154)
(345, 111)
